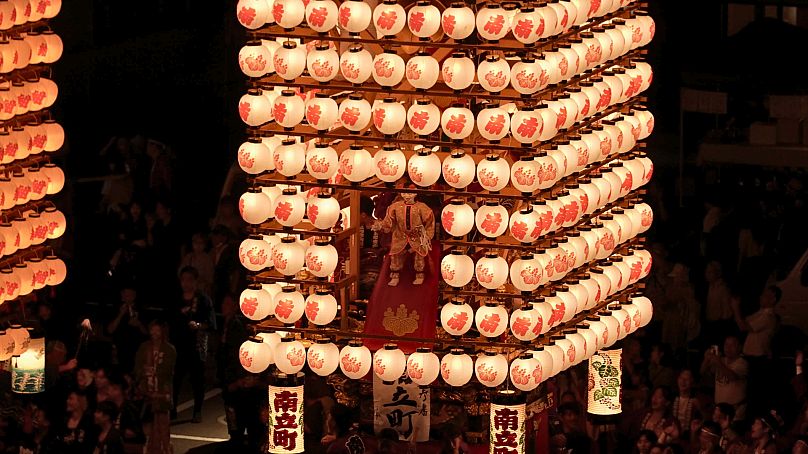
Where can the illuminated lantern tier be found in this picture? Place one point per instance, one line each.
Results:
(491, 271)
(423, 367)
(356, 64)
(289, 207)
(491, 369)
(526, 372)
(322, 161)
(255, 355)
(423, 117)
(289, 305)
(493, 173)
(491, 219)
(321, 308)
(456, 368)
(389, 363)
(493, 123)
(492, 22)
(526, 125)
(456, 317)
(458, 71)
(424, 168)
(323, 357)
(389, 18)
(256, 303)
(355, 360)
(424, 19)
(253, 14)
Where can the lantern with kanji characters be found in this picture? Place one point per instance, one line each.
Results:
(456, 317)
(354, 16)
(322, 161)
(456, 367)
(423, 367)
(388, 68)
(458, 169)
(526, 323)
(323, 357)
(422, 71)
(289, 305)
(424, 168)
(491, 271)
(254, 253)
(457, 122)
(491, 319)
(356, 64)
(355, 360)
(57, 270)
(255, 355)
(605, 381)
(493, 173)
(288, 257)
(507, 422)
(457, 218)
(286, 405)
(491, 219)
(424, 19)
(491, 368)
(253, 14)
(322, 258)
(28, 369)
(289, 207)
(458, 21)
(389, 363)
(423, 117)
(321, 15)
(528, 25)
(458, 71)
(323, 211)
(389, 18)
(526, 273)
(256, 303)
(254, 108)
(492, 22)
(354, 112)
(323, 63)
(321, 307)
(389, 116)
(526, 125)
(356, 164)
(288, 13)
(389, 164)
(493, 123)
(290, 355)
(321, 111)
(526, 372)
(494, 74)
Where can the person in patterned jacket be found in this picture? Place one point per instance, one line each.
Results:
(412, 224)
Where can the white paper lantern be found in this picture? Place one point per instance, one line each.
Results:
(389, 116)
(26, 275)
(422, 71)
(546, 214)
(288, 257)
(255, 355)
(526, 273)
(457, 122)
(528, 25)
(388, 68)
(389, 18)
(526, 372)
(423, 117)
(322, 161)
(254, 254)
(526, 323)
(254, 207)
(321, 259)
(491, 271)
(545, 360)
(321, 111)
(389, 363)
(11, 283)
(354, 16)
(492, 23)
(645, 307)
(289, 208)
(525, 225)
(494, 74)
(457, 218)
(254, 108)
(389, 164)
(323, 63)
(529, 76)
(578, 344)
(57, 270)
(456, 368)
(491, 319)
(493, 173)
(491, 219)
(493, 123)
(458, 21)
(355, 360)
(423, 367)
(254, 157)
(356, 164)
(8, 238)
(290, 356)
(323, 357)
(289, 305)
(321, 15)
(525, 174)
(491, 369)
(289, 60)
(458, 169)
(55, 134)
(458, 71)
(253, 14)
(424, 168)
(356, 64)
(21, 338)
(254, 59)
(527, 125)
(256, 303)
(6, 346)
(424, 19)
(354, 113)
(323, 211)
(456, 317)
(288, 13)
(321, 308)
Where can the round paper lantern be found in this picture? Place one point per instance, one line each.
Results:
(354, 16)
(545, 360)
(288, 13)
(26, 275)
(646, 120)
(21, 338)
(290, 356)
(7, 17)
(255, 355)
(424, 168)
(525, 225)
(322, 161)
(253, 157)
(321, 308)
(273, 192)
(39, 183)
(423, 367)
(323, 357)
(388, 67)
(272, 340)
(254, 108)
(491, 319)
(457, 122)
(322, 63)
(493, 173)
(422, 71)
(528, 25)
(55, 135)
(456, 368)
(40, 272)
(528, 76)
(458, 169)
(491, 219)
(493, 123)
(37, 230)
(54, 221)
(491, 369)
(289, 208)
(646, 217)
(323, 211)
(6, 346)
(526, 323)
(389, 164)
(354, 112)
(254, 207)
(289, 305)
(256, 303)
(571, 304)
(544, 223)
(11, 283)
(424, 19)
(389, 18)
(389, 363)
(525, 174)
(355, 360)
(321, 111)
(321, 259)
(457, 218)
(23, 143)
(423, 117)
(526, 372)
(389, 116)
(254, 14)
(579, 345)
(492, 23)
(356, 164)
(23, 228)
(254, 59)
(289, 60)
(494, 74)
(491, 271)
(526, 273)
(288, 256)
(8, 238)
(321, 15)
(645, 307)
(612, 328)
(456, 317)
(458, 71)
(526, 125)
(356, 64)
(57, 270)
(254, 253)
(458, 21)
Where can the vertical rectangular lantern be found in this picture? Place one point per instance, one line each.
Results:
(507, 430)
(285, 419)
(605, 380)
(28, 369)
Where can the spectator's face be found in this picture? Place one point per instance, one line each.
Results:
(114, 392)
(720, 418)
(569, 418)
(685, 380)
(198, 244)
(84, 378)
(643, 445)
(188, 283)
(758, 429)
(658, 400)
(128, 295)
(656, 355)
(156, 333)
(40, 419)
(731, 347)
(100, 418)
(135, 211)
(73, 402)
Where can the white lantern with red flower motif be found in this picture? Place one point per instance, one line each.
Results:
(491, 219)
(423, 168)
(526, 125)
(323, 63)
(491, 271)
(456, 317)
(323, 211)
(456, 367)
(579, 345)
(256, 303)
(526, 273)
(321, 15)
(458, 21)
(322, 161)
(321, 308)
(389, 164)
(423, 117)
(493, 123)
(545, 360)
(457, 218)
(290, 356)
(389, 116)
(423, 19)
(494, 74)
(289, 158)
(254, 253)
(493, 173)
(388, 68)
(289, 305)
(254, 207)
(289, 208)
(356, 64)
(254, 157)
(491, 369)
(355, 360)
(526, 174)
(458, 169)
(254, 14)
(646, 309)
(323, 357)
(356, 164)
(491, 319)
(646, 120)
(289, 60)
(254, 59)
(529, 76)
(321, 111)
(288, 256)
(423, 367)
(389, 363)
(422, 71)
(457, 122)
(526, 323)
(526, 372)
(254, 108)
(321, 259)
(354, 112)
(458, 71)
(492, 22)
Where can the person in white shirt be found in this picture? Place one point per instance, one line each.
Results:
(761, 325)
(731, 372)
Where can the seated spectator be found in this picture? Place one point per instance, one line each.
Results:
(109, 439)
(645, 442)
(723, 415)
(730, 372)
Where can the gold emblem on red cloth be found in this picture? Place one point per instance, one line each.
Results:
(401, 322)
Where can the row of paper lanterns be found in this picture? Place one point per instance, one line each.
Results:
(286, 304)
(33, 274)
(20, 98)
(19, 12)
(14, 340)
(456, 368)
(31, 229)
(492, 22)
(288, 255)
(30, 184)
(30, 49)
(32, 139)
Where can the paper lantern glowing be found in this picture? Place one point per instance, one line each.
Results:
(289, 60)
(389, 116)
(529, 76)
(389, 164)
(457, 122)
(256, 303)
(6, 346)
(254, 254)
(289, 306)
(323, 211)
(527, 174)
(458, 71)
(491, 369)
(321, 111)
(456, 368)
(55, 135)
(254, 14)
(389, 18)
(388, 67)
(321, 307)
(321, 15)
(255, 355)
(356, 164)
(289, 207)
(21, 338)
(493, 173)
(526, 125)
(422, 71)
(526, 372)
(491, 22)
(356, 64)
(354, 113)
(456, 317)
(491, 319)
(423, 117)
(322, 161)
(322, 259)
(491, 219)
(424, 168)
(28, 370)
(494, 74)
(254, 207)
(389, 363)
(290, 356)
(526, 273)
(288, 13)
(285, 432)
(424, 19)
(355, 360)
(605, 378)
(354, 16)
(457, 218)
(458, 21)
(57, 270)
(323, 357)
(493, 123)
(254, 157)
(423, 367)
(323, 63)
(507, 422)
(526, 323)
(11, 283)
(254, 59)
(254, 108)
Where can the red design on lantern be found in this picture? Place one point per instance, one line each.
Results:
(315, 362)
(350, 115)
(312, 308)
(447, 220)
(526, 80)
(383, 68)
(447, 272)
(524, 176)
(350, 364)
(495, 80)
(495, 124)
(487, 178)
(284, 308)
(386, 20)
(318, 16)
(413, 73)
(520, 375)
(456, 123)
(387, 168)
(490, 323)
(495, 24)
(313, 113)
(277, 12)
(519, 230)
(349, 70)
(255, 64)
(244, 110)
(419, 119)
(279, 111)
(458, 321)
(523, 28)
(449, 23)
(344, 16)
(246, 15)
(417, 21)
(485, 275)
(295, 356)
(491, 222)
(249, 306)
(486, 373)
(283, 210)
(528, 127)
(322, 69)
(530, 275)
(520, 326)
